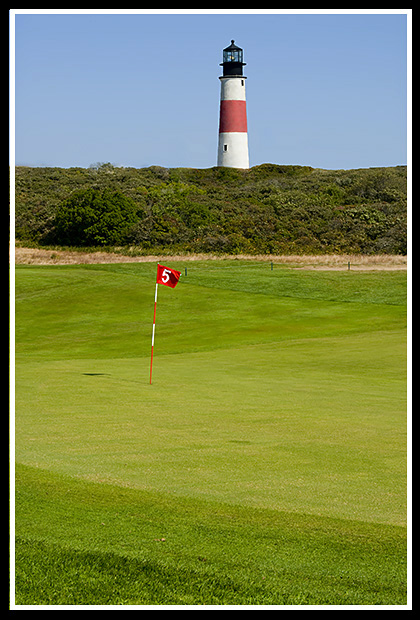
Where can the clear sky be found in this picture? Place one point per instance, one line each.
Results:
(325, 90)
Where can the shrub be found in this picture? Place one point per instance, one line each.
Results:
(92, 217)
(268, 208)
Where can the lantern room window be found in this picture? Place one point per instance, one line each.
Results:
(232, 55)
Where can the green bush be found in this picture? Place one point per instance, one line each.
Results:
(92, 217)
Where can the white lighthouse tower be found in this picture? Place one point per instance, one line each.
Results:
(233, 131)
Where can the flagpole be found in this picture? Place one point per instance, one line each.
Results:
(153, 333)
(168, 277)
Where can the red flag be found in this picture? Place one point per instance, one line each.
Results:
(167, 276)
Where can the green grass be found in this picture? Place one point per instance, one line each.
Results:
(269, 453)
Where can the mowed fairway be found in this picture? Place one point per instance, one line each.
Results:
(265, 465)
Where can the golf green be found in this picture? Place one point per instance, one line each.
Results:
(272, 439)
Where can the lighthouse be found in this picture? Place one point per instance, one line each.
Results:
(233, 131)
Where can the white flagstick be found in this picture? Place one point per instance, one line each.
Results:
(153, 333)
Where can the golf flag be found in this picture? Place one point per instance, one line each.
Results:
(169, 277)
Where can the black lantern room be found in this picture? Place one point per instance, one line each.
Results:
(232, 60)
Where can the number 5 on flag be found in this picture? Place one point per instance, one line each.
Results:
(169, 277)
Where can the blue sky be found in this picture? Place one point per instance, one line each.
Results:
(325, 90)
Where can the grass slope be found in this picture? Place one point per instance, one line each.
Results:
(265, 465)
(95, 544)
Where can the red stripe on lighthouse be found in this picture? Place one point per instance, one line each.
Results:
(232, 116)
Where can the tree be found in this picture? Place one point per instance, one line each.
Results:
(93, 217)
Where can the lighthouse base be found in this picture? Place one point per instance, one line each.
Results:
(233, 150)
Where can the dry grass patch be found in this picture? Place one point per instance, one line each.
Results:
(334, 262)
